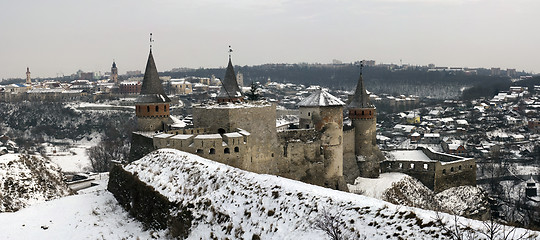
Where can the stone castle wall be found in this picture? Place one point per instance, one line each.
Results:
(444, 171)
(230, 148)
(258, 119)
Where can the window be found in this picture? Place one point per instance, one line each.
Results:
(452, 169)
(226, 150)
(212, 151)
(157, 108)
(444, 171)
(199, 151)
(147, 108)
(412, 165)
(459, 167)
(236, 149)
(426, 167)
(309, 114)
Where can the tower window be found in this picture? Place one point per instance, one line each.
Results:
(212, 151)
(309, 114)
(226, 150)
(148, 108)
(157, 108)
(236, 149)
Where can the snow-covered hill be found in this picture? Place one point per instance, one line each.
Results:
(401, 189)
(28, 179)
(92, 214)
(224, 202)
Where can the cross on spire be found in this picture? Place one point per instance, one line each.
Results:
(230, 51)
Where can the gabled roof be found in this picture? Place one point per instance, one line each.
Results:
(320, 98)
(152, 89)
(361, 97)
(229, 87)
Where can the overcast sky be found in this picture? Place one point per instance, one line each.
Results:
(56, 37)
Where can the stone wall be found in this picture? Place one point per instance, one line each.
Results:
(141, 145)
(442, 172)
(454, 174)
(148, 206)
(258, 119)
(423, 171)
(350, 166)
(233, 151)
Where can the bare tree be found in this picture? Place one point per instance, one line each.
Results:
(333, 225)
(102, 156)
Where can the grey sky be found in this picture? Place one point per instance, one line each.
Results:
(62, 36)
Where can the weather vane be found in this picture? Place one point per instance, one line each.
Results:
(230, 51)
(151, 41)
(361, 66)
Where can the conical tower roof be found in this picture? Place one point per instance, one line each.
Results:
(152, 89)
(229, 87)
(320, 98)
(361, 97)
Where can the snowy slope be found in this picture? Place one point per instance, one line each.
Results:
(402, 189)
(25, 180)
(94, 214)
(226, 202)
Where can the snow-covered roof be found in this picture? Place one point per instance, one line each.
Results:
(408, 155)
(163, 135)
(320, 98)
(208, 136)
(233, 135)
(182, 136)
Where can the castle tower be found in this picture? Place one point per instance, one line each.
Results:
(240, 79)
(152, 105)
(230, 92)
(114, 73)
(364, 118)
(324, 113)
(28, 79)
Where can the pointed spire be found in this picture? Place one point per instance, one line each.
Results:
(360, 98)
(152, 89)
(229, 85)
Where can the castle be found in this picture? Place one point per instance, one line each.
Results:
(243, 134)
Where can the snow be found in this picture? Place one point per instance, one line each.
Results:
(75, 160)
(28, 179)
(375, 187)
(408, 155)
(320, 98)
(272, 207)
(94, 214)
(208, 136)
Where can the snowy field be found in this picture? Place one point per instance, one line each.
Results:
(92, 214)
(375, 187)
(72, 161)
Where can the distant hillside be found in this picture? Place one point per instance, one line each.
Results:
(197, 198)
(26, 179)
(379, 79)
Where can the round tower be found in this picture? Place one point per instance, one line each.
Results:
(363, 115)
(152, 105)
(324, 113)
